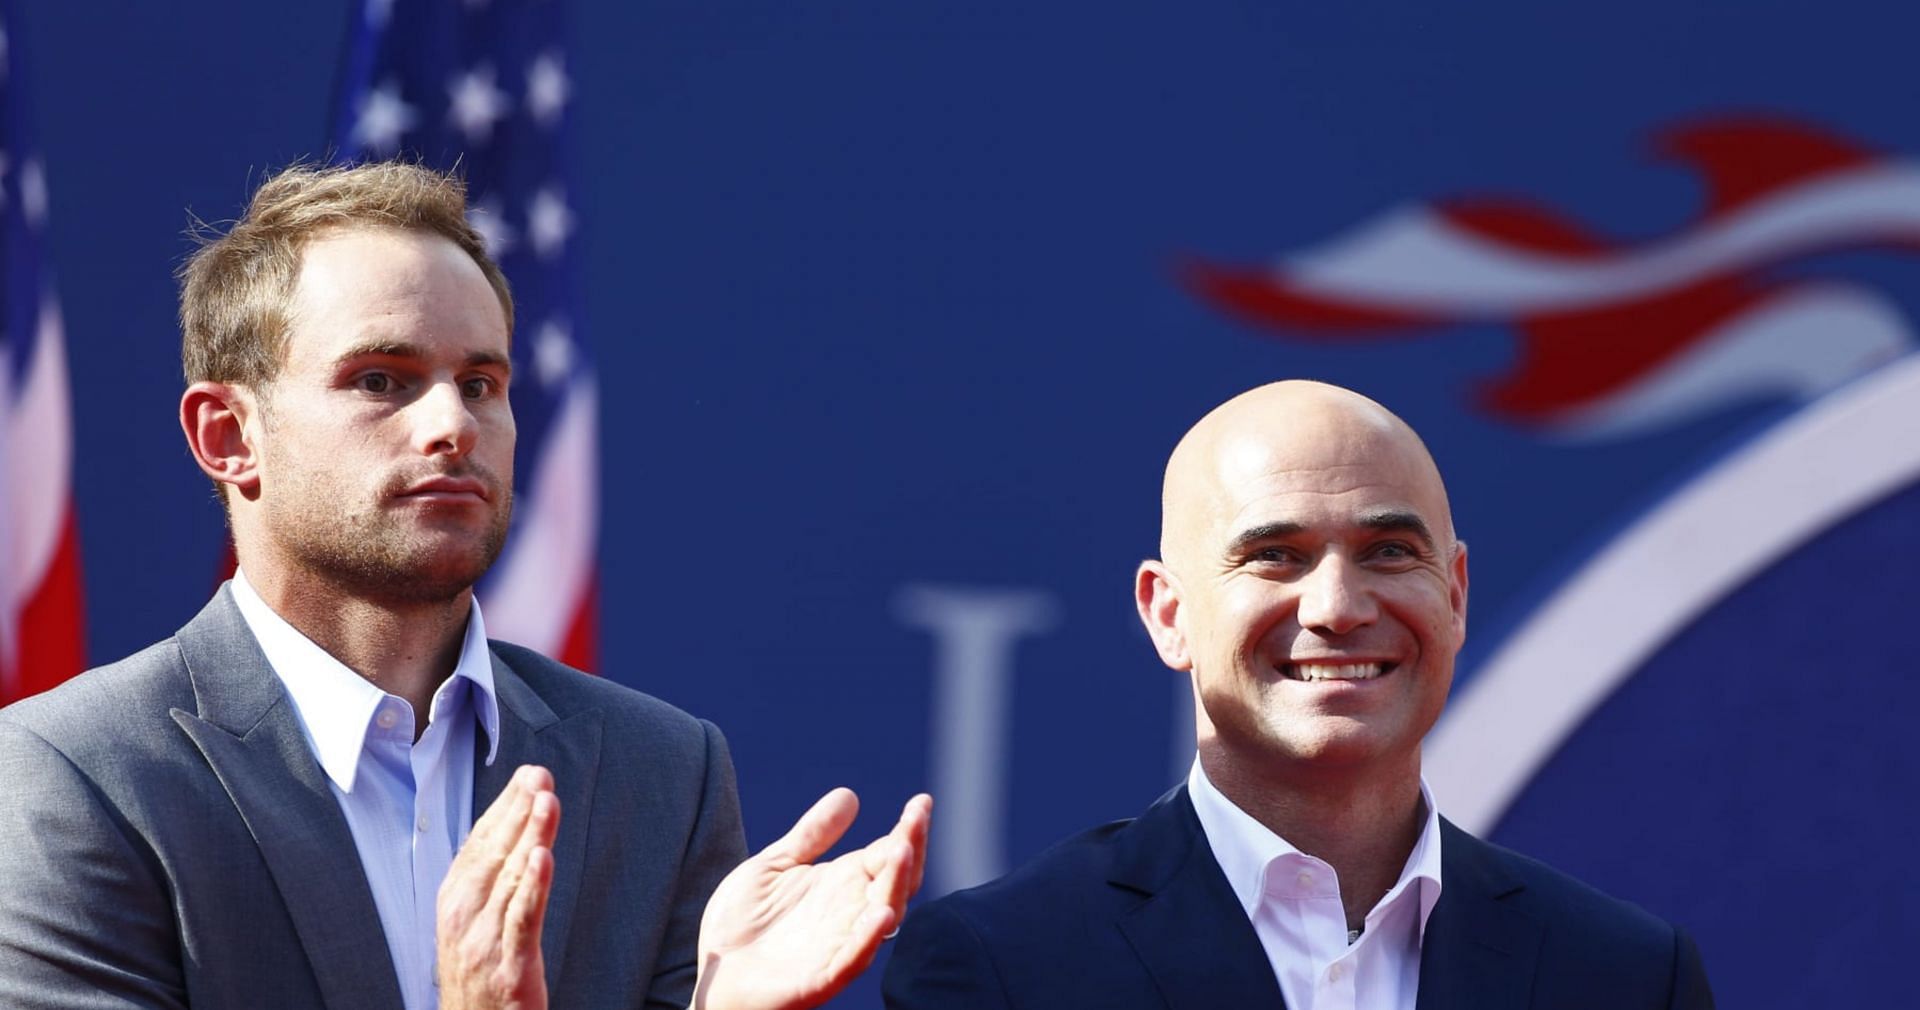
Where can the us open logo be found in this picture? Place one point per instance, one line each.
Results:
(1620, 340)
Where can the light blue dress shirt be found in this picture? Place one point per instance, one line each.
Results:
(409, 804)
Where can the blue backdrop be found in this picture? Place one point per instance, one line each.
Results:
(897, 311)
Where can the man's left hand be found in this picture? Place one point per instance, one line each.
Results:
(784, 933)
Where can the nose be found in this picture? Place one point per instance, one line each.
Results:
(1334, 599)
(443, 423)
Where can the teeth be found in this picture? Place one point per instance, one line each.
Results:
(1345, 671)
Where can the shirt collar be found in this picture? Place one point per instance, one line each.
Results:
(335, 704)
(1245, 848)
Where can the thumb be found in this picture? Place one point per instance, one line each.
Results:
(817, 830)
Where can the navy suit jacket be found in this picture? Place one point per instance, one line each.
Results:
(1137, 914)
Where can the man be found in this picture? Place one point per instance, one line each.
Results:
(1311, 584)
(264, 810)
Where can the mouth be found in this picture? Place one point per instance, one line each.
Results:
(447, 489)
(1318, 672)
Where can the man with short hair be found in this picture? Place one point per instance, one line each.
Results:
(276, 807)
(1311, 584)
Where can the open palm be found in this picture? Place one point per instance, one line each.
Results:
(783, 932)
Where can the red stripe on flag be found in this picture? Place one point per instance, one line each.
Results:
(1523, 226)
(1574, 359)
(581, 649)
(1744, 160)
(1263, 298)
(229, 563)
(52, 629)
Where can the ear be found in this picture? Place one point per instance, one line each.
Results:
(1457, 591)
(217, 418)
(1156, 594)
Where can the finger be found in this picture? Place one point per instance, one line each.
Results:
(889, 865)
(920, 814)
(505, 816)
(471, 877)
(899, 860)
(527, 911)
(493, 836)
(542, 823)
(817, 830)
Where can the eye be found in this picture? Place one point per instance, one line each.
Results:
(376, 383)
(1272, 556)
(477, 388)
(1394, 551)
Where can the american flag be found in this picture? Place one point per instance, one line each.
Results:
(41, 606)
(481, 86)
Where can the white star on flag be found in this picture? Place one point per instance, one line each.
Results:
(490, 221)
(553, 352)
(33, 193)
(379, 12)
(547, 88)
(549, 222)
(475, 104)
(384, 119)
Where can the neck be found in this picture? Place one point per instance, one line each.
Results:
(406, 648)
(1364, 822)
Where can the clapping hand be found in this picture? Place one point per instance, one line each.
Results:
(494, 901)
(783, 932)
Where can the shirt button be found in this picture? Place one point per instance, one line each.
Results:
(421, 823)
(386, 718)
(1305, 878)
(1337, 972)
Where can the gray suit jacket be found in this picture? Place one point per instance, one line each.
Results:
(168, 840)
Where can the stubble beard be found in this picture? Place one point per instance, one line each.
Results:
(374, 553)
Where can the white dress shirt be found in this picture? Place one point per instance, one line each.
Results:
(409, 804)
(1293, 900)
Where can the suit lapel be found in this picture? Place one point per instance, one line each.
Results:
(1479, 952)
(1190, 930)
(247, 730)
(530, 733)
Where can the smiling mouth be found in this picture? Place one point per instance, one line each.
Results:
(1315, 672)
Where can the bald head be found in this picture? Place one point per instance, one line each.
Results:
(1310, 583)
(1297, 434)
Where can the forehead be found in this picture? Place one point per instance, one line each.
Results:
(366, 284)
(1323, 475)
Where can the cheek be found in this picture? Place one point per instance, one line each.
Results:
(1247, 615)
(1427, 610)
(498, 426)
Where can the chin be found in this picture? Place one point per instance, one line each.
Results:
(444, 578)
(1349, 746)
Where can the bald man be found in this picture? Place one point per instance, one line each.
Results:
(1311, 585)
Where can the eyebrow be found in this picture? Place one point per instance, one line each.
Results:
(1380, 520)
(1398, 521)
(405, 349)
(1263, 533)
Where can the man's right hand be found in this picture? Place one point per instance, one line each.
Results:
(494, 899)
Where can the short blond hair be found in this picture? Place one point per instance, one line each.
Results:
(236, 288)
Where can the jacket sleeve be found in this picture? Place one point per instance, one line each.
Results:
(1690, 989)
(939, 962)
(717, 844)
(86, 919)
